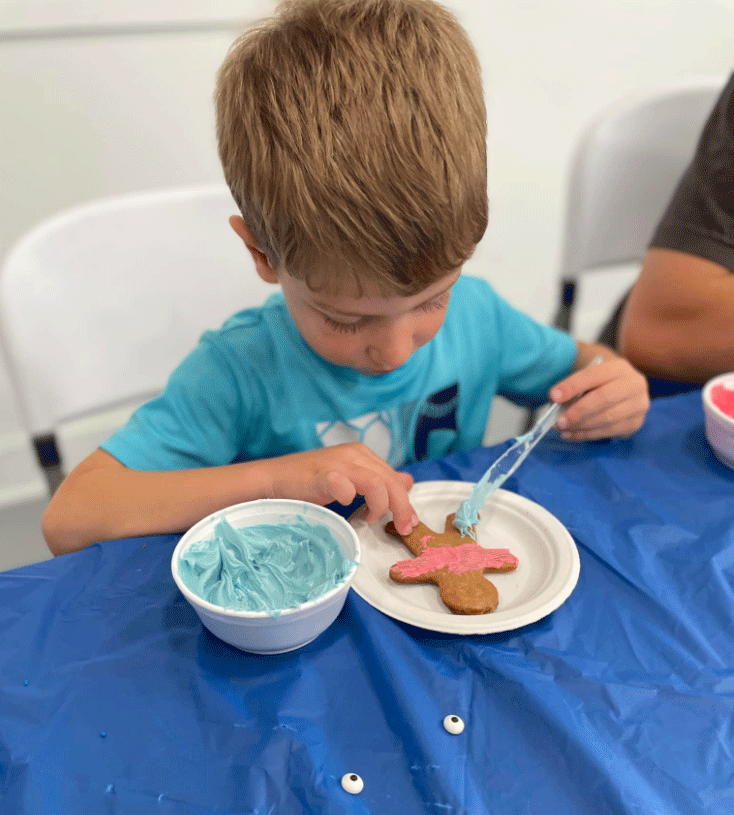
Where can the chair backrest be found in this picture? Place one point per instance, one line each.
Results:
(625, 169)
(100, 303)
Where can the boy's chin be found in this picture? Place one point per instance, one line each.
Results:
(376, 371)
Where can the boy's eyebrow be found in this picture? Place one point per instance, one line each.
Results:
(324, 307)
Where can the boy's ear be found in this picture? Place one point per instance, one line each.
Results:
(262, 264)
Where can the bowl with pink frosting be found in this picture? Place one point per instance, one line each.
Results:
(267, 576)
(718, 406)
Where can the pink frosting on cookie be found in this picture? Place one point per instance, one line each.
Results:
(468, 557)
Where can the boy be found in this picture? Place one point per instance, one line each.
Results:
(352, 136)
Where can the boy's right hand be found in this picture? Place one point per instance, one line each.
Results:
(341, 473)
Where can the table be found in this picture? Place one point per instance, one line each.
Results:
(115, 699)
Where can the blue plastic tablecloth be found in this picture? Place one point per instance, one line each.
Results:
(115, 699)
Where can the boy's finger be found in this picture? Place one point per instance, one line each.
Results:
(621, 430)
(609, 415)
(404, 516)
(375, 497)
(339, 488)
(588, 407)
(388, 490)
(621, 421)
(378, 498)
(580, 382)
(598, 372)
(383, 489)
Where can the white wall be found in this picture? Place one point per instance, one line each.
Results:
(97, 98)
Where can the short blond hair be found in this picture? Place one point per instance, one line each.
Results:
(352, 134)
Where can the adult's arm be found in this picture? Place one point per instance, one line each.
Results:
(678, 322)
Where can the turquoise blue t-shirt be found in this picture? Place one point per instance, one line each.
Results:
(254, 389)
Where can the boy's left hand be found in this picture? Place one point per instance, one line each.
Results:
(612, 398)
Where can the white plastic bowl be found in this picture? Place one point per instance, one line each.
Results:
(258, 631)
(719, 426)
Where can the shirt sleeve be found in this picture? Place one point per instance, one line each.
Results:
(700, 217)
(533, 356)
(198, 420)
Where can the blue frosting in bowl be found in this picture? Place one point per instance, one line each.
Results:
(264, 567)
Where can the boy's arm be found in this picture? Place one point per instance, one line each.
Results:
(101, 499)
(612, 397)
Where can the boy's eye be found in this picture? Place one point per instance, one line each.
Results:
(436, 304)
(345, 328)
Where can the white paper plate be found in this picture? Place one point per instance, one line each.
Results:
(545, 577)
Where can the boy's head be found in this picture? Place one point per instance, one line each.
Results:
(352, 134)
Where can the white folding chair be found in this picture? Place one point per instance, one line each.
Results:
(624, 171)
(99, 303)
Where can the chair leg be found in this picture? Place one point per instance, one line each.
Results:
(561, 320)
(49, 459)
(565, 307)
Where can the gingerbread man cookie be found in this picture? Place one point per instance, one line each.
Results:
(455, 563)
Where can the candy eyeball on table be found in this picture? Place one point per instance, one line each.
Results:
(352, 783)
(453, 724)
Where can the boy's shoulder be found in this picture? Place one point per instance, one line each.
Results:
(469, 286)
(253, 336)
(472, 295)
(253, 318)
(251, 325)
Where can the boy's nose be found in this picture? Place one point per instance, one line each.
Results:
(391, 350)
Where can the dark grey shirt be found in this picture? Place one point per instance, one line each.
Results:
(699, 219)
